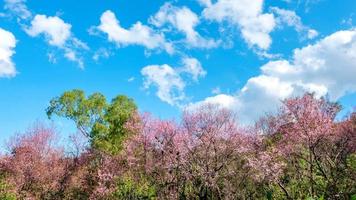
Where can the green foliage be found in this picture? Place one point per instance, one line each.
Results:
(353, 197)
(156, 163)
(130, 189)
(102, 122)
(351, 161)
(5, 190)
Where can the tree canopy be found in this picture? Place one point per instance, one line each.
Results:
(103, 123)
(299, 152)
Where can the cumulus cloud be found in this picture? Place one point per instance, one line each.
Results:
(18, 8)
(169, 84)
(7, 44)
(137, 34)
(325, 68)
(55, 30)
(185, 21)
(57, 33)
(290, 18)
(247, 15)
(169, 81)
(328, 64)
(222, 100)
(192, 67)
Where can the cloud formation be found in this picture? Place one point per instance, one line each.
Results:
(192, 67)
(185, 21)
(169, 81)
(246, 15)
(325, 68)
(137, 34)
(18, 8)
(58, 33)
(290, 18)
(170, 85)
(7, 45)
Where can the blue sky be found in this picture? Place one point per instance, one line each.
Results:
(246, 55)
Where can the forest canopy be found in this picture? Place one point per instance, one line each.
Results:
(299, 152)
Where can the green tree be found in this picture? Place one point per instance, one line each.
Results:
(6, 192)
(101, 122)
(127, 188)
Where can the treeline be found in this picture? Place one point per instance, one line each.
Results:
(300, 152)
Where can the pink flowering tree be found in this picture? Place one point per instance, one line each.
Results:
(306, 135)
(217, 151)
(156, 153)
(205, 156)
(34, 164)
(300, 152)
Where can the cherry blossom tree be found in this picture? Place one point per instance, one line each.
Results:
(306, 135)
(300, 152)
(34, 164)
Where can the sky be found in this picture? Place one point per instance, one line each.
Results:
(245, 55)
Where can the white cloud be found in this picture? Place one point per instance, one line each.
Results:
(330, 63)
(312, 34)
(137, 34)
(247, 15)
(261, 94)
(101, 53)
(216, 90)
(169, 84)
(56, 31)
(7, 44)
(223, 100)
(18, 8)
(58, 34)
(193, 67)
(290, 18)
(169, 81)
(326, 68)
(71, 55)
(185, 21)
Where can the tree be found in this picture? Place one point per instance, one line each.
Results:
(203, 157)
(101, 122)
(35, 165)
(301, 152)
(316, 149)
